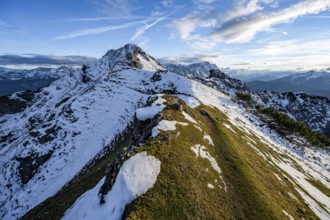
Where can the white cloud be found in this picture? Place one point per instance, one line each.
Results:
(245, 30)
(186, 27)
(98, 30)
(244, 8)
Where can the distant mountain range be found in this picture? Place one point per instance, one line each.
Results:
(248, 75)
(312, 83)
(15, 80)
(201, 69)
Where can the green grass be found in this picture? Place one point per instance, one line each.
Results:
(181, 190)
(245, 97)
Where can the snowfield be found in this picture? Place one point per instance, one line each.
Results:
(136, 176)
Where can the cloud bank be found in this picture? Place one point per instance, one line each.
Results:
(37, 59)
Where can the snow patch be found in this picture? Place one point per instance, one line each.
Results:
(148, 112)
(229, 127)
(188, 117)
(209, 139)
(198, 128)
(166, 125)
(190, 101)
(136, 176)
(285, 213)
(200, 151)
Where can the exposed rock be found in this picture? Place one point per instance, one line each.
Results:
(15, 103)
(216, 73)
(157, 76)
(29, 165)
(141, 132)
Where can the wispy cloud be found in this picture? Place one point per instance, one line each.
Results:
(98, 30)
(244, 8)
(142, 29)
(241, 23)
(147, 26)
(91, 19)
(244, 30)
(186, 27)
(318, 16)
(241, 64)
(293, 47)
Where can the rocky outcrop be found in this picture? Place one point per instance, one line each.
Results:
(15, 103)
(30, 164)
(216, 73)
(141, 132)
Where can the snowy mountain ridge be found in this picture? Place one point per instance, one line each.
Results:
(38, 73)
(201, 69)
(314, 111)
(74, 122)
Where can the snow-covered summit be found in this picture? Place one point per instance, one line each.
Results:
(128, 57)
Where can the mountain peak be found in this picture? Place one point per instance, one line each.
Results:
(131, 56)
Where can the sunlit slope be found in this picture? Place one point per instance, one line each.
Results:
(190, 185)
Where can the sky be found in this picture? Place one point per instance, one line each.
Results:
(238, 34)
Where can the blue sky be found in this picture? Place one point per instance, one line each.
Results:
(248, 34)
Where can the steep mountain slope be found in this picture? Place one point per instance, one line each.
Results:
(312, 83)
(176, 148)
(15, 80)
(314, 111)
(69, 122)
